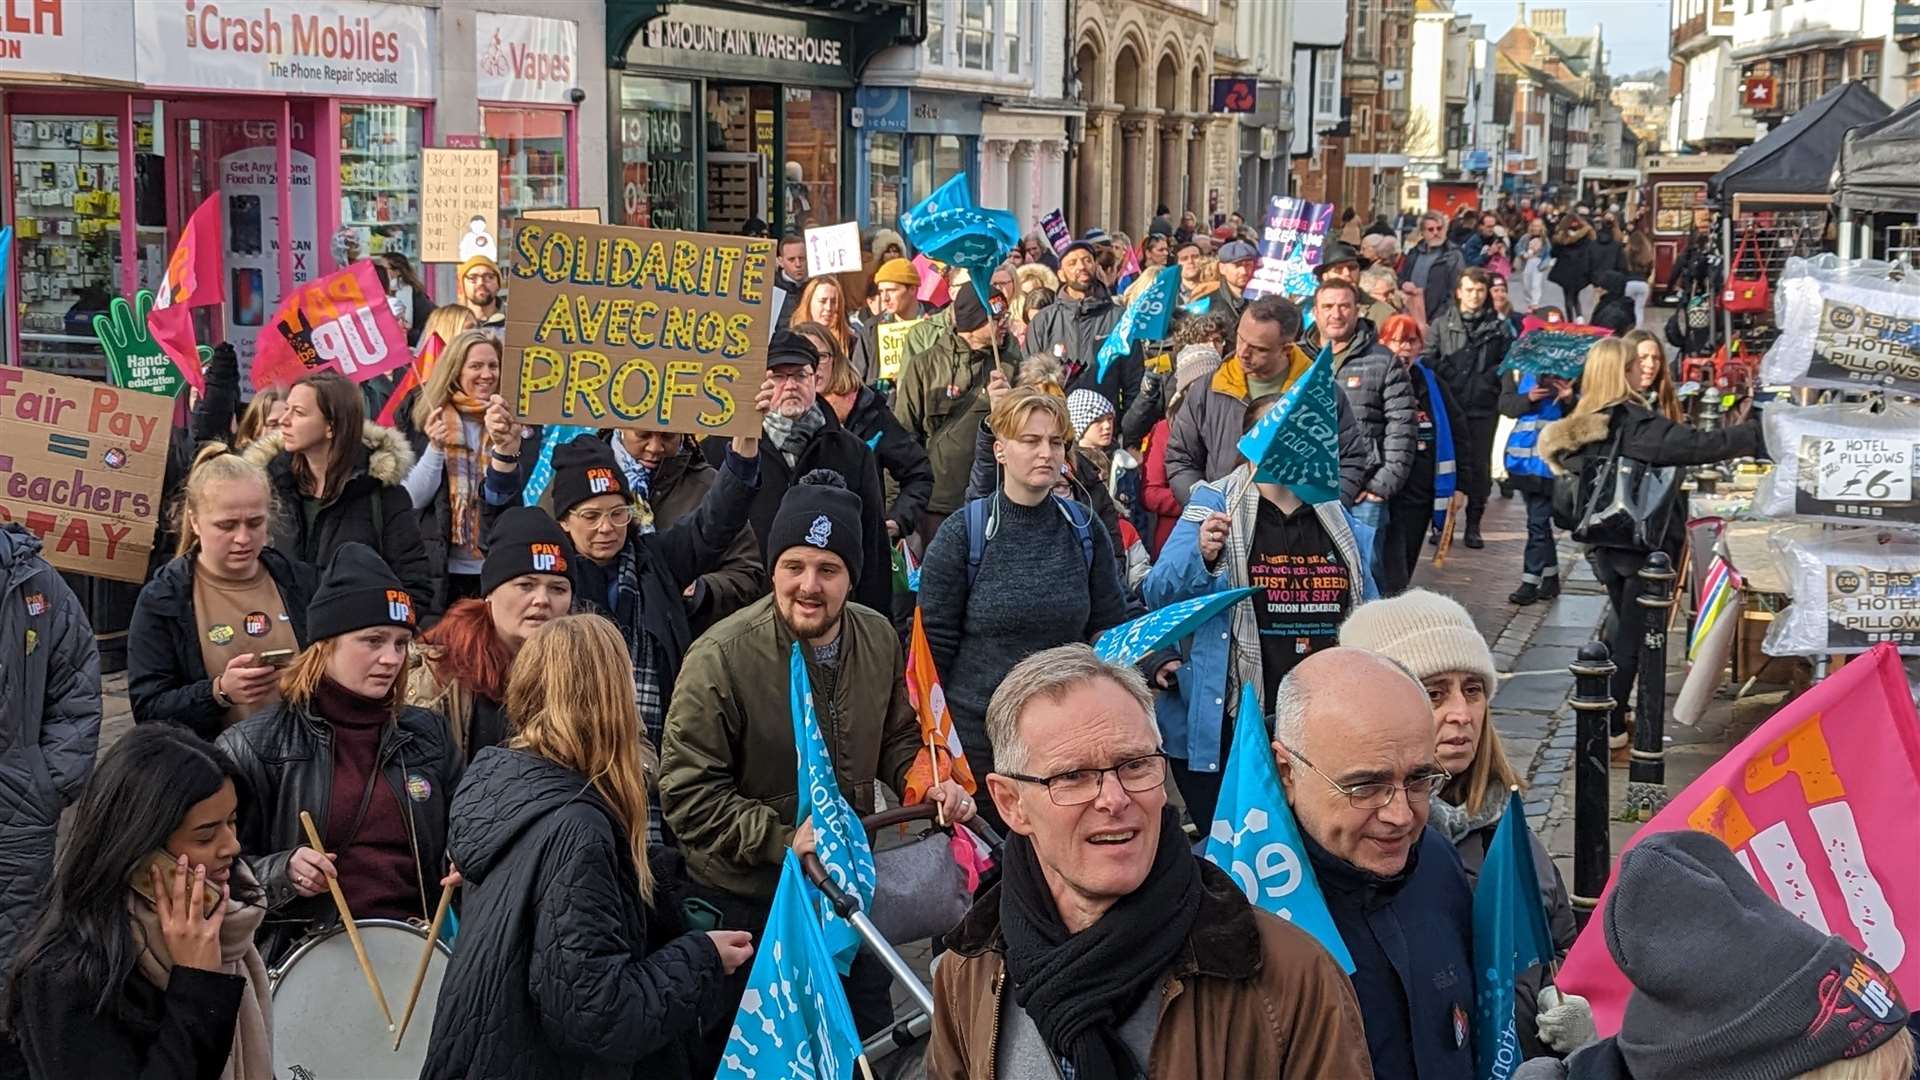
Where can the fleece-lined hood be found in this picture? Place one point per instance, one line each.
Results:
(1564, 438)
(389, 457)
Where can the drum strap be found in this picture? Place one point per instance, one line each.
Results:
(360, 815)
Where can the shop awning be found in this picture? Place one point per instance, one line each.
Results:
(1879, 166)
(1795, 160)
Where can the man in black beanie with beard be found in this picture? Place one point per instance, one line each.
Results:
(727, 761)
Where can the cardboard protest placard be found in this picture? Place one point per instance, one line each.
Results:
(459, 197)
(833, 249)
(338, 323)
(643, 328)
(82, 468)
(585, 215)
(892, 339)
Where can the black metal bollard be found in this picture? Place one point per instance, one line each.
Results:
(1647, 772)
(1592, 842)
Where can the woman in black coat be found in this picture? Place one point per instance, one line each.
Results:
(223, 554)
(864, 412)
(572, 962)
(142, 966)
(1572, 259)
(1609, 406)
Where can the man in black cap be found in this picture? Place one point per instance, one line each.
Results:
(941, 397)
(1339, 261)
(1074, 326)
(727, 763)
(804, 433)
(1238, 261)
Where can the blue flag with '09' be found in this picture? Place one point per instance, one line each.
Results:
(1255, 839)
(1510, 935)
(1145, 319)
(840, 839)
(1296, 443)
(794, 1019)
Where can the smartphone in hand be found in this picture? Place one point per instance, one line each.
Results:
(169, 865)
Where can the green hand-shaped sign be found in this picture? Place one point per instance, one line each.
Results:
(134, 359)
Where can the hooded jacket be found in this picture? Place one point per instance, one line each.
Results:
(167, 677)
(1379, 390)
(1203, 438)
(371, 507)
(1466, 353)
(906, 469)
(564, 971)
(1080, 327)
(1249, 995)
(941, 400)
(677, 488)
(49, 722)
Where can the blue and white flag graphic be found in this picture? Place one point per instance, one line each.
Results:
(840, 839)
(1131, 641)
(794, 1020)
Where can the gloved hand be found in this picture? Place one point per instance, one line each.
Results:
(1565, 1021)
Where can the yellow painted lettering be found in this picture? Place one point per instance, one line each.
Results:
(709, 270)
(626, 404)
(686, 256)
(593, 316)
(558, 322)
(556, 259)
(709, 332)
(586, 379)
(681, 380)
(540, 371)
(738, 343)
(527, 243)
(728, 260)
(653, 267)
(626, 263)
(644, 312)
(678, 333)
(1804, 753)
(719, 381)
(753, 273)
(619, 316)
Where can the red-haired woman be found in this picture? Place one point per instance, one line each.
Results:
(1430, 482)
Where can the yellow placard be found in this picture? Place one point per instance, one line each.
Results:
(892, 338)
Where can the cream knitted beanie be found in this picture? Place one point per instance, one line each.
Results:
(1426, 631)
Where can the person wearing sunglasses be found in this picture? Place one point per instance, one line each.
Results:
(1108, 948)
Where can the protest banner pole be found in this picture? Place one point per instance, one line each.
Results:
(1592, 705)
(1647, 774)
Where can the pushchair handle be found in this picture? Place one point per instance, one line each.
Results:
(843, 901)
(901, 815)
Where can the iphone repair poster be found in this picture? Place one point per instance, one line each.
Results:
(251, 198)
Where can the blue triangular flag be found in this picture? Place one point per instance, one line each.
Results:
(1297, 442)
(1145, 319)
(542, 473)
(840, 839)
(794, 1019)
(947, 226)
(1131, 641)
(1510, 935)
(6, 253)
(1255, 839)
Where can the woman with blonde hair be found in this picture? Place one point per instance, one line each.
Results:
(262, 416)
(1612, 413)
(823, 303)
(1650, 375)
(570, 962)
(208, 627)
(447, 322)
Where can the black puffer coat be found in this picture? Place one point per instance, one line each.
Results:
(1466, 352)
(563, 971)
(1080, 327)
(1379, 390)
(167, 677)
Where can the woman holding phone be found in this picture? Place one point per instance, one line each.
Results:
(142, 963)
(213, 626)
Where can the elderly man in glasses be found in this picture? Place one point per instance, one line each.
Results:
(1109, 949)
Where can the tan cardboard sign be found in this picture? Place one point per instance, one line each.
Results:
(585, 215)
(80, 466)
(644, 328)
(459, 197)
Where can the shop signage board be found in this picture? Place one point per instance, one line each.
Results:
(525, 58)
(459, 197)
(730, 41)
(82, 468)
(620, 327)
(68, 38)
(351, 48)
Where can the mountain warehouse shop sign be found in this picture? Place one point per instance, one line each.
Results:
(734, 41)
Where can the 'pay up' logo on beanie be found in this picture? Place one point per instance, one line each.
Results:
(601, 481)
(400, 606)
(547, 559)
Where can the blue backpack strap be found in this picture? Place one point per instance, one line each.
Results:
(976, 512)
(1082, 525)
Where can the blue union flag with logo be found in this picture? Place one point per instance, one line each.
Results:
(840, 839)
(1510, 935)
(794, 1020)
(1296, 442)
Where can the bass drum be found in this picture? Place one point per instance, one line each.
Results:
(326, 1025)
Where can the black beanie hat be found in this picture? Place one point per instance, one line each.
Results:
(583, 469)
(1726, 982)
(819, 512)
(525, 541)
(357, 590)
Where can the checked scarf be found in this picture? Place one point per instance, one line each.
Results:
(466, 467)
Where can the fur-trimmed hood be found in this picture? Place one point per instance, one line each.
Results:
(1563, 438)
(389, 457)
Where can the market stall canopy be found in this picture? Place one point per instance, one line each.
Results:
(1796, 159)
(1879, 166)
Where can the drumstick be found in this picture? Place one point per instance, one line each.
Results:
(346, 919)
(426, 958)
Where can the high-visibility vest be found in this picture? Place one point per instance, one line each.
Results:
(1523, 444)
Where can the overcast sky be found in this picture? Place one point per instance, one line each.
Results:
(1635, 31)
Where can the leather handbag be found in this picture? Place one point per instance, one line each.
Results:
(1748, 294)
(1628, 504)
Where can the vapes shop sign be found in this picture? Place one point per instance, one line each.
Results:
(314, 47)
(750, 44)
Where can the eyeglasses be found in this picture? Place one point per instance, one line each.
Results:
(791, 374)
(618, 517)
(1379, 795)
(1076, 787)
(479, 276)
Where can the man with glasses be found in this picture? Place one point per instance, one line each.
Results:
(480, 293)
(1353, 740)
(1432, 265)
(1108, 949)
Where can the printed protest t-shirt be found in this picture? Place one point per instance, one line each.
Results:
(1304, 589)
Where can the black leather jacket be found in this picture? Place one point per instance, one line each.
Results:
(285, 760)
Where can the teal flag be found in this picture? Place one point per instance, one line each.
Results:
(542, 473)
(947, 226)
(1145, 319)
(1297, 442)
(1255, 839)
(794, 1020)
(1510, 935)
(1131, 641)
(840, 839)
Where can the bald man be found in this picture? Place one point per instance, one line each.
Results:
(1354, 743)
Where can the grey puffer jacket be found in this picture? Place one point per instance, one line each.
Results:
(49, 722)
(1379, 390)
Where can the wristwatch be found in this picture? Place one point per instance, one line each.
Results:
(220, 697)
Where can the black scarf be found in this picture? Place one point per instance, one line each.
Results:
(1079, 988)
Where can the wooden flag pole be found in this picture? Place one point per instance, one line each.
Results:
(1446, 534)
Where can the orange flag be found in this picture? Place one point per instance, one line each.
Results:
(940, 757)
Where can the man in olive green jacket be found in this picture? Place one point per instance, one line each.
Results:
(941, 396)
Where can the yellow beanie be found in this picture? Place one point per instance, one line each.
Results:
(897, 272)
(476, 262)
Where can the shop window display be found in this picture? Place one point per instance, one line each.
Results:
(658, 179)
(811, 191)
(380, 178)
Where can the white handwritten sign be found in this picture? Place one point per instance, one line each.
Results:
(833, 249)
(1865, 470)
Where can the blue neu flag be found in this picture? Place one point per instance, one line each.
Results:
(1145, 319)
(794, 1019)
(1296, 442)
(841, 839)
(542, 474)
(1254, 837)
(1510, 935)
(1131, 641)
(947, 226)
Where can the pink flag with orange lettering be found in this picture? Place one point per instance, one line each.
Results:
(1817, 805)
(193, 279)
(339, 323)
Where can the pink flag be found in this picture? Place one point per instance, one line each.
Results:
(193, 279)
(933, 282)
(1817, 805)
(339, 323)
